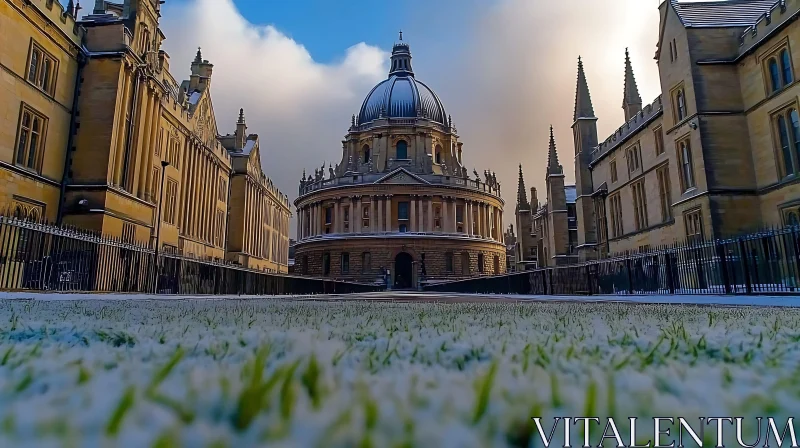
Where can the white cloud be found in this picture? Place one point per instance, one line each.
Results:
(299, 107)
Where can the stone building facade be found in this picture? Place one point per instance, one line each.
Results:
(548, 233)
(401, 198)
(717, 154)
(114, 127)
(41, 59)
(258, 227)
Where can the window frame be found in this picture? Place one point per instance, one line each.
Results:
(680, 111)
(633, 154)
(344, 262)
(693, 222)
(612, 168)
(366, 262)
(778, 68)
(683, 162)
(664, 192)
(48, 85)
(639, 195)
(26, 158)
(786, 141)
(658, 135)
(397, 150)
(615, 203)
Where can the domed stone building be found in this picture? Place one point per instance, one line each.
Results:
(400, 199)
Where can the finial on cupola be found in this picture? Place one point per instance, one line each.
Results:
(241, 116)
(401, 34)
(353, 120)
(450, 121)
(198, 58)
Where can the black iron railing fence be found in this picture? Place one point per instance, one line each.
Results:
(766, 262)
(40, 256)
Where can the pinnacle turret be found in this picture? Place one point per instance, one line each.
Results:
(583, 101)
(553, 167)
(631, 101)
(522, 195)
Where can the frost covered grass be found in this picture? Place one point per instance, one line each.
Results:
(213, 373)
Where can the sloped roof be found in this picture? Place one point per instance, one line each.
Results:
(721, 14)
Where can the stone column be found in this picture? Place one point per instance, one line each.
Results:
(338, 225)
(380, 214)
(355, 216)
(445, 216)
(151, 183)
(372, 218)
(454, 227)
(412, 222)
(389, 222)
(137, 150)
(420, 227)
(430, 214)
(122, 130)
(480, 219)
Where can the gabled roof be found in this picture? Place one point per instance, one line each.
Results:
(401, 176)
(721, 14)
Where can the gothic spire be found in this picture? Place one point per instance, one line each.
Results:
(522, 195)
(631, 101)
(553, 167)
(241, 117)
(71, 8)
(583, 101)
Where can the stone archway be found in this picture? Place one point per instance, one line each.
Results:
(403, 271)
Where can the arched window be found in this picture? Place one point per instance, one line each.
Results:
(786, 67)
(774, 75)
(438, 154)
(794, 119)
(783, 135)
(681, 105)
(791, 219)
(402, 150)
(365, 152)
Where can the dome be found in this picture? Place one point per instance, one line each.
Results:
(401, 95)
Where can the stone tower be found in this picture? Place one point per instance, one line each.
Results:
(631, 101)
(557, 202)
(524, 216)
(584, 130)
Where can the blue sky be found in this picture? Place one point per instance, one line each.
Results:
(326, 27)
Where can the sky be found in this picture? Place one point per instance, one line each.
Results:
(504, 69)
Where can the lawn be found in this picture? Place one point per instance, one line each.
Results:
(218, 373)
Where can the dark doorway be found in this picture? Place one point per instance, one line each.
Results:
(403, 270)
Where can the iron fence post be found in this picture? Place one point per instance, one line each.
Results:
(745, 266)
(630, 276)
(723, 265)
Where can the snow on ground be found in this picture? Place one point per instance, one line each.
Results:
(216, 373)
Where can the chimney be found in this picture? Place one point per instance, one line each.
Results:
(534, 200)
(201, 73)
(241, 130)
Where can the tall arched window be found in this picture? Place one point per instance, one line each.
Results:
(794, 120)
(402, 150)
(365, 153)
(438, 154)
(774, 75)
(786, 67)
(681, 105)
(783, 135)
